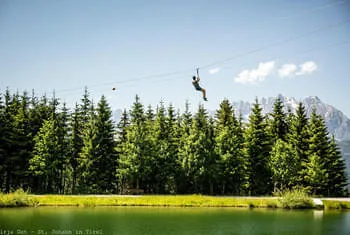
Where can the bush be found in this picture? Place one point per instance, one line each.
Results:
(295, 199)
(19, 198)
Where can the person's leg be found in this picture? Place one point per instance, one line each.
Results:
(204, 94)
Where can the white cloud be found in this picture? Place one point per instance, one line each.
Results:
(213, 71)
(256, 75)
(307, 68)
(287, 70)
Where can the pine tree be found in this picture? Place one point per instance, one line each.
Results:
(172, 150)
(315, 174)
(99, 151)
(21, 142)
(86, 182)
(318, 152)
(159, 160)
(257, 147)
(50, 155)
(228, 147)
(130, 172)
(80, 120)
(184, 122)
(5, 141)
(197, 153)
(122, 131)
(336, 171)
(16, 142)
(75, 145)
(46, 164)
(298, 137)
(2, 140)
(150, 163)
(284, 165)
(63, 167)
(41, 165)
(122, 127)
(278, 124)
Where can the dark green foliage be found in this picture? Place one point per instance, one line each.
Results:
(316, 174)
(98, 154)
(46, 148)
(298, 137)
(48, 165)
(284, 166)
(131, 170)
(336, 171)
(257, 148)
(278, 126)
(197, 154)
(229, 149)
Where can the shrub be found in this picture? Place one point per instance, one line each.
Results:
(19, 198)
(295, 199)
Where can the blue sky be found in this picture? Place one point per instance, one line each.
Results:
(244, 49)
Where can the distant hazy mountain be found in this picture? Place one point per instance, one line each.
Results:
(337, 123)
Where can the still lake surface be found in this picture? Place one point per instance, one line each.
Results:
(151, 220)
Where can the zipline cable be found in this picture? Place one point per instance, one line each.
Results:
(275, 44)
(327, 5)
(319, 48)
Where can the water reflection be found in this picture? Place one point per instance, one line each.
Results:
(318, 214)
(145, 220)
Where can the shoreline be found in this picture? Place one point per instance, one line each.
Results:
(30, 200)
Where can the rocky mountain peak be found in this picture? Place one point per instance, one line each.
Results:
(337, 123)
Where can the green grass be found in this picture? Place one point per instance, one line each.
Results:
(334, 204)
(289, 200)
(165, 200)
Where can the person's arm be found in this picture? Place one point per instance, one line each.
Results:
(198, 75)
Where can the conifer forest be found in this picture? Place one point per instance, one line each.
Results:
(47, 148)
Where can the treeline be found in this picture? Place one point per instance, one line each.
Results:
(46, 148)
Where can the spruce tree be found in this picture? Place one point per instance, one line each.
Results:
(172, 139)
(336, 171)
(228, 147)
(278, 123)
(64, 177)
(99, 151)
(317, 178)
(50, 155)
(121, 136)
(197, 153)
(298, 137)
(315, 175)
(184, 122)
(130, 172)
(284, 166)
(79, 122)
(257, 148)
(21, 142)
(6, 142)
(75, 146)
(159, 161)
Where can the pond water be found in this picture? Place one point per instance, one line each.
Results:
(150, 220)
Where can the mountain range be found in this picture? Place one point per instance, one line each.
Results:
(338, 124)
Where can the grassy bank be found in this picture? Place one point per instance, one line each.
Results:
(289, 200)
(177, 201)
(17, 199)
(336, 204)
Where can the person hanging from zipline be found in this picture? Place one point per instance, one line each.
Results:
(195, 83)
